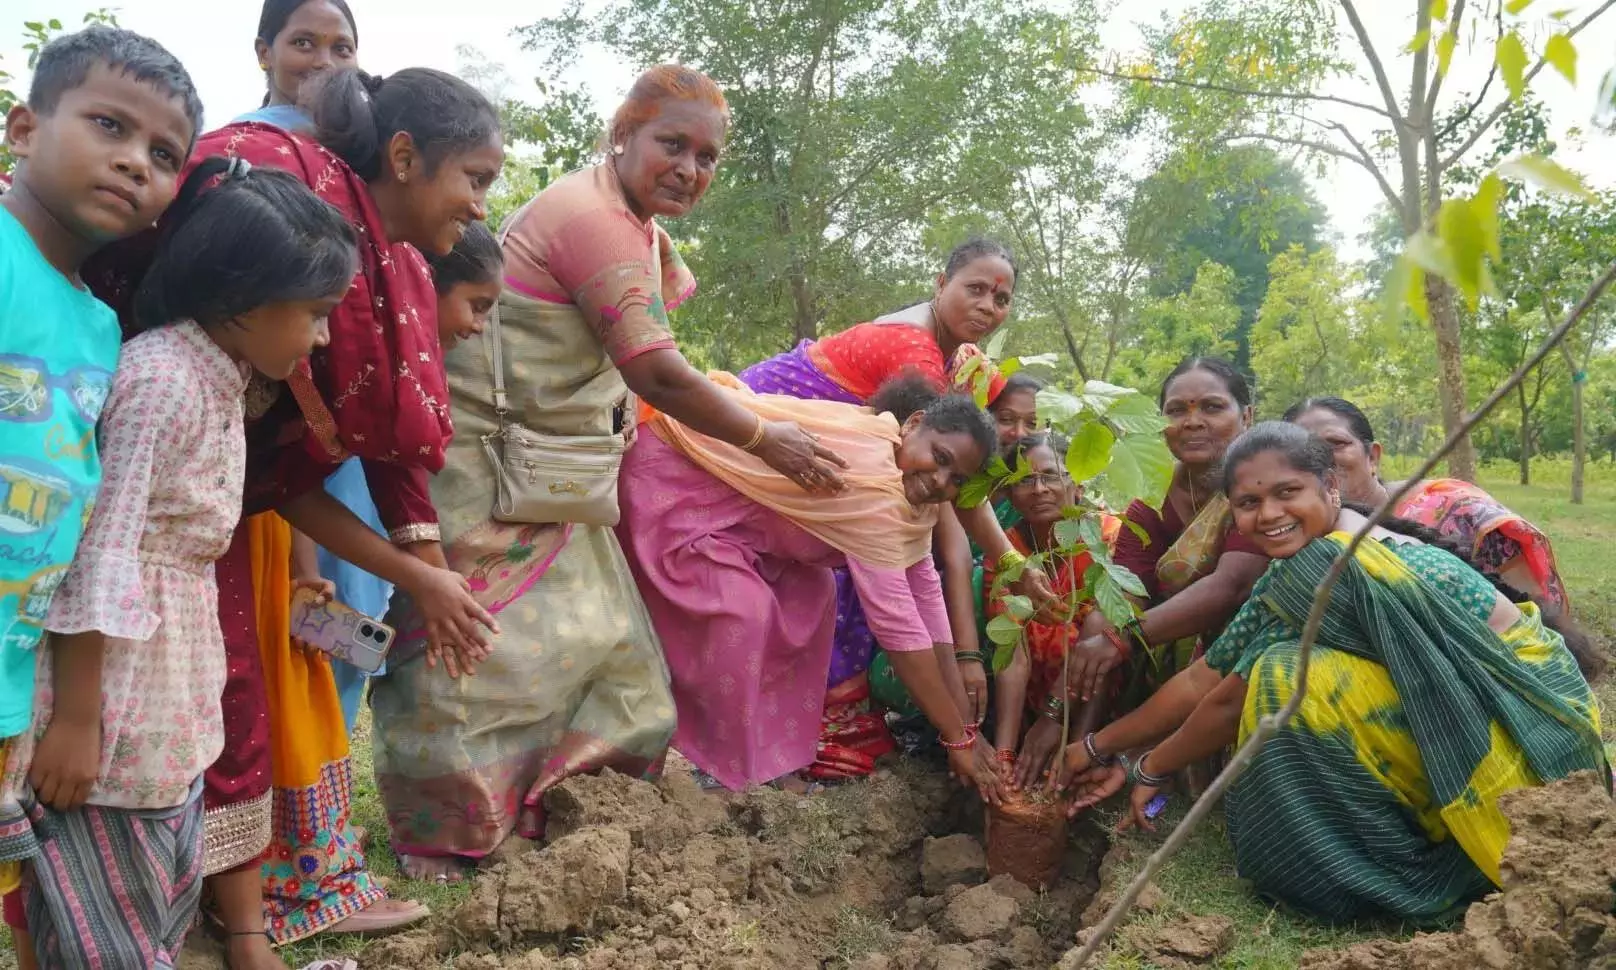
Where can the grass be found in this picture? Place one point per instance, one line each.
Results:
(858, 933)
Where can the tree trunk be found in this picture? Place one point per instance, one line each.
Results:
(1579, 439)
(803, 324)
(1450, 374)
(1526, 435)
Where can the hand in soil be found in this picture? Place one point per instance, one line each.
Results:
(1090, 661)
(1037, 752)
(1092, 786)
(1137, 800)
(975, 766)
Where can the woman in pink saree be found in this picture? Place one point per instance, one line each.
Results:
(734, 564)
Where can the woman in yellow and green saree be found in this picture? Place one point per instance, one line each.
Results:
(1430, 694)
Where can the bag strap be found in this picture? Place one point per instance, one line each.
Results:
(493, 336)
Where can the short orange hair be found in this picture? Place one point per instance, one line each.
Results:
(658, 84)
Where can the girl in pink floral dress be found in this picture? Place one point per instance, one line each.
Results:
(127, 710)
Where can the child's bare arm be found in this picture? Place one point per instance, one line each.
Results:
(68, 759)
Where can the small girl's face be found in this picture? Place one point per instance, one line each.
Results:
(1279, 507)
(463, 310)
(274, 337)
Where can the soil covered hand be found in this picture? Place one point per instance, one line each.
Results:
(974, 766)
(1092, 786)
(799, 456)
(1040, 746)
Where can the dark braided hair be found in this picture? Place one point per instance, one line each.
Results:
(1233, 381)
(1308, 453)
(975, 248)
(910, 392)
(1591, 660)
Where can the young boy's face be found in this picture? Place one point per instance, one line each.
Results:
(106, 162)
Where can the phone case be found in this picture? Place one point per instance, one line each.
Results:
(340, 631)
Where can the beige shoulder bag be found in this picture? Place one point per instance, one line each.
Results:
(545, 478)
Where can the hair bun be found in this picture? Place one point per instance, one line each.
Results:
(371, 82)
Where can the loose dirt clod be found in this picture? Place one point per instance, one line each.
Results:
(1555, 912)
(979, 913)
(1191, 942)
(871, 875)
(949, 861)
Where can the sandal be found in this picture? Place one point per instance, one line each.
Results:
(382, 917)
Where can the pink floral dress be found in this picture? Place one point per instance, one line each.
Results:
(173, 453)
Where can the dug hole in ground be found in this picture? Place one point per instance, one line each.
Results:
(890, 874)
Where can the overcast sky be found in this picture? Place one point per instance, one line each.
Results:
(215, 41)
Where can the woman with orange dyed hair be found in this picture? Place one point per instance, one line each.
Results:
(575, 681)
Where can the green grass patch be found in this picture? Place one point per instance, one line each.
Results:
(1201, 880)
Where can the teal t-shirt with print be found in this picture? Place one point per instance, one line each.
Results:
(58, 349)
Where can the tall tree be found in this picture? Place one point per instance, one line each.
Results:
(1240, 207)
(1257, 68)
(854, 122)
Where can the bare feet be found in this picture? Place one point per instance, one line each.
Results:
(251, 951)
(383, 916)
(432, 868)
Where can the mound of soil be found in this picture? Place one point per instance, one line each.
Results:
(635, 875)
(1555, 912)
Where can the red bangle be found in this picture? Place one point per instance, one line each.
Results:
(1117, 641)
(1006, 755)
(962, 743)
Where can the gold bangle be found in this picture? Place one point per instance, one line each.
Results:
(757, 436)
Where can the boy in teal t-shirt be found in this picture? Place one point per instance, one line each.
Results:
(110, 119)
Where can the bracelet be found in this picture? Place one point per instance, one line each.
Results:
(1011, 560)
(1095, 757)
(963, 743)
(970, 656)
(1142, 777)
(1117, 641)
(757, 436)
(1054, 708)
(1005, 755)
(1135, 628)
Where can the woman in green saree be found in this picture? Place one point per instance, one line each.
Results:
(1430, 694)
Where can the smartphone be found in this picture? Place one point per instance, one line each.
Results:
(340, 630)
(1155, 806)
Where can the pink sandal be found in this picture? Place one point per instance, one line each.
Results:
(382, 917)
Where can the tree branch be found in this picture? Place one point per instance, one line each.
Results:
(1308, 143)
(1269, 725)
(1437, 78)
(1393, 109)
(1368, 162)
(1242, 92)
(1498, 111)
